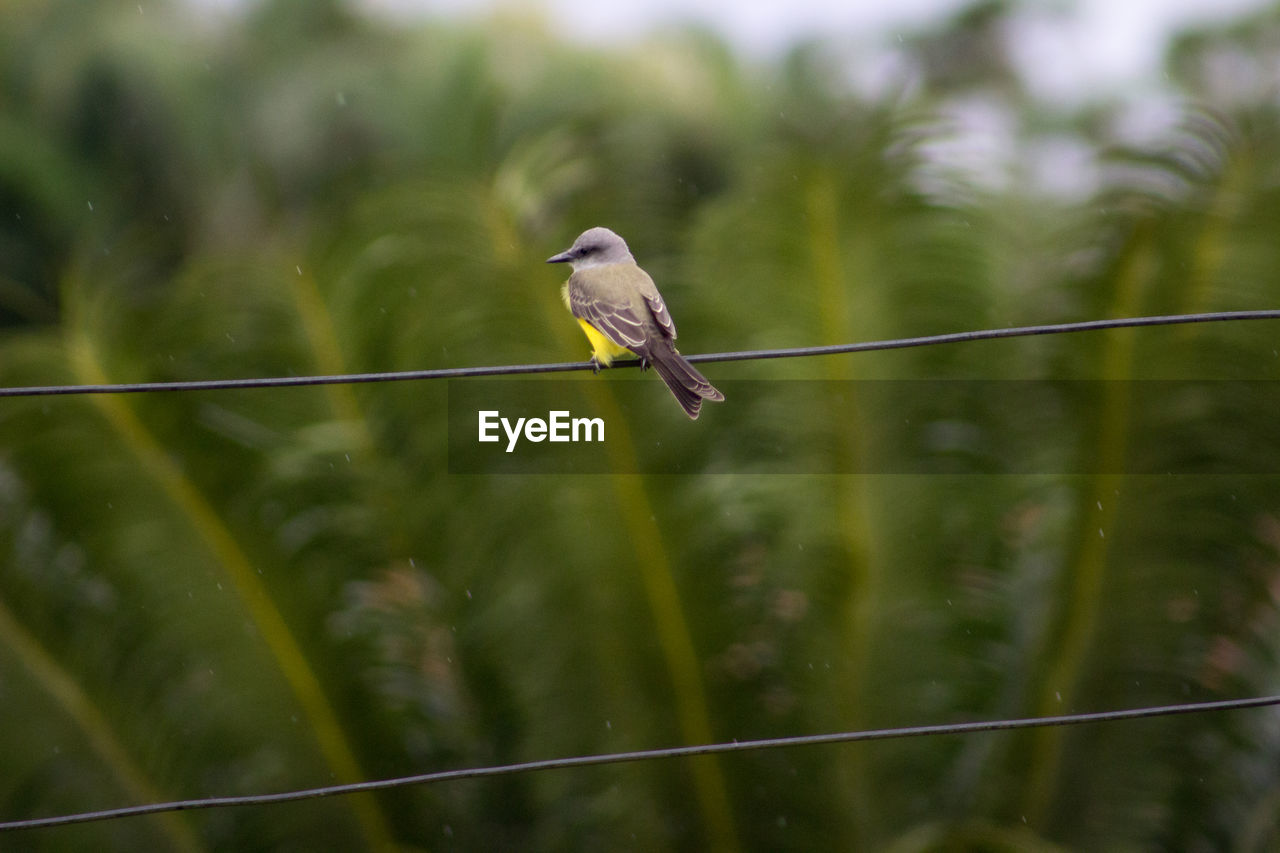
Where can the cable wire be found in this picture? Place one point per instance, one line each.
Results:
(645, 755)
(653, 754)
(564, 367)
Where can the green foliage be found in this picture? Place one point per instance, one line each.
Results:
(248, 591)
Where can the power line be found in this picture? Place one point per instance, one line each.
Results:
(994, 334)
(564, 367)
(645, 755)
(655, 754)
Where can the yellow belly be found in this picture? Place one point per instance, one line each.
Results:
(604, 350)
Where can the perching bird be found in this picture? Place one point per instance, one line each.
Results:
(621, 311)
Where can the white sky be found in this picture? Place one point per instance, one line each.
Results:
(1064, 48)
(1067, 51)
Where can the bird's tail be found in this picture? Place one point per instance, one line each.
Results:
(688, 386)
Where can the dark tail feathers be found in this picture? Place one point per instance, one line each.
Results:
(688, 386)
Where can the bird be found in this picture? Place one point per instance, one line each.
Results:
(621, 311)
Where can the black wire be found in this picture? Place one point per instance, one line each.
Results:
(994, 334)
(564, 367)
(644, 755)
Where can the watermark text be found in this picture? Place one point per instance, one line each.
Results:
(558, 426)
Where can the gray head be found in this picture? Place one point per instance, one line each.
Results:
(594, 247)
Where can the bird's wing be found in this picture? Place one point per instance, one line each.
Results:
(619, 322)
(658, 309)
(635, 320)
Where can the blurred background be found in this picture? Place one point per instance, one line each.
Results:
(239, 592)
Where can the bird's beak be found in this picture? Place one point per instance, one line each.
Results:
(563, 257)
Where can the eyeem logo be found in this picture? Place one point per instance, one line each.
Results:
(558, 426)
